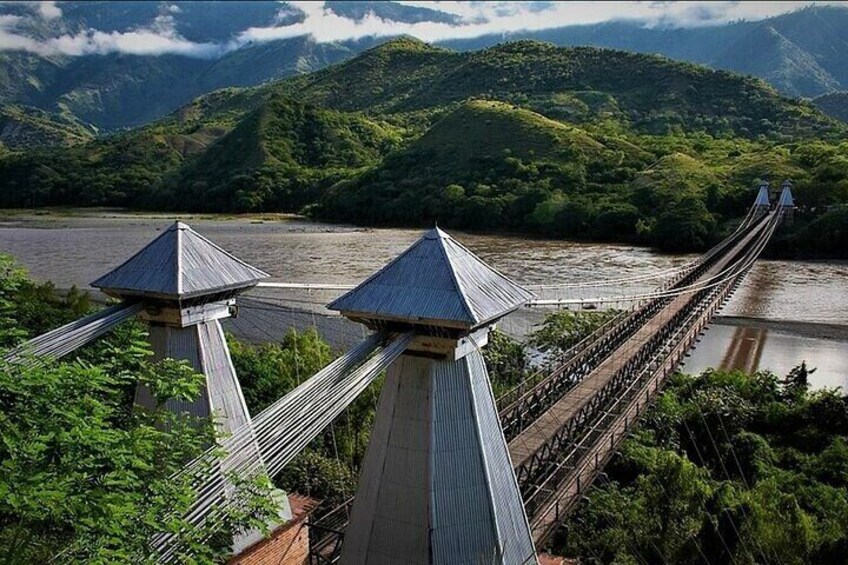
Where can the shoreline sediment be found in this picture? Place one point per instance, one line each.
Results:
(818, 330)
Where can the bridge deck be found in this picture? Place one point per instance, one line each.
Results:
(532, 438)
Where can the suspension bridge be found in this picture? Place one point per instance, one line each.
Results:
(452, 474)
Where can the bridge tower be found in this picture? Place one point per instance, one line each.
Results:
(786, 202)
(437, 485)
(762, 202)
(187, 284)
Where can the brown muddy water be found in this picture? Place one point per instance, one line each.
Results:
(781, 313)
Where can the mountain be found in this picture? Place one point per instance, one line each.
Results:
(834, 105)
(23, 126)
(803, 53)
(567, 142)
(450, 172)
(115, 91)
(279, 156)
(652, 94)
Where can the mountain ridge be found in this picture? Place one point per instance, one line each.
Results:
(116, 91)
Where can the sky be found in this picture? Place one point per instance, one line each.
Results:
(475, 19)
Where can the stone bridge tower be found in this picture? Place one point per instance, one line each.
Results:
(187, 284)
(787, 202)
(437, 485)
(762, 204)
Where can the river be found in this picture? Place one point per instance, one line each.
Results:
(785, 312)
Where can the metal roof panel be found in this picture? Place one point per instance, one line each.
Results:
(180, 263)
(434, 280)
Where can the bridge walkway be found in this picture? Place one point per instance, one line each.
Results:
(536, 434)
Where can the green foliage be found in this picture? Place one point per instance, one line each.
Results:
(83, 476)
(33, 308)
(328, 468)
(821, 236)
(86, 477)
(322, 477)
(505, 361)
(726, 467)
(834, 104)
(270, 370)
(563, 329)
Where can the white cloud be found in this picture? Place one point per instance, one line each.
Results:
(483, 18)
(477, 18)
(545, 15)
(157, 39)
(49, 10)
(141, 42)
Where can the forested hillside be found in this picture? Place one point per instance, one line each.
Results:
(801, 53)
(834, 105)
(22, 127)
(567, 142)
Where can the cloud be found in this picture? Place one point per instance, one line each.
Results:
(477, 18)
(158, 39)
(546, 15)
(49, 10)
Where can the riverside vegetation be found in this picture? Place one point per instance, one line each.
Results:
(86, 477)
(578, 143)
(726, 466)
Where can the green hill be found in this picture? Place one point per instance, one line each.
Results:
(652, 94)
(23, 126)
(834, 105)
(484, 164)
(277, 157)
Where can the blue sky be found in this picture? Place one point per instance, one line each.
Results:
(474, 19)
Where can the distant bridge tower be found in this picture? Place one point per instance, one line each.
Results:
(187, 284)
(437, 485)
(786, 202)
(762, 202)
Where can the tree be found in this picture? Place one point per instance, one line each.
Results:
(86, 476)
(270, 370)
(685, 226)
(797, 382)
(505, 361)
(564, 329)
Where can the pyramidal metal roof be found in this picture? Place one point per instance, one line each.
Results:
(180, 263)
(786, 199)
(437, 281)
(763, 196)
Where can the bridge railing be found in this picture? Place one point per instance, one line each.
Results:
(547, 474)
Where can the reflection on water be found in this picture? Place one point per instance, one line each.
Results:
(753, 348)
(807, 291)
